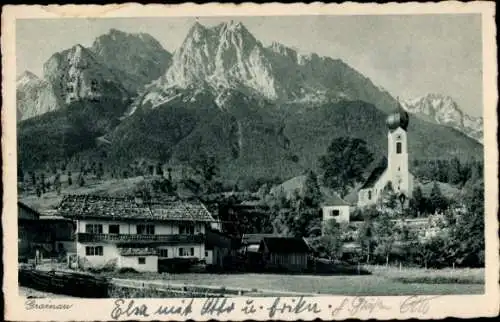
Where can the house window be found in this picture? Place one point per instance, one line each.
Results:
(206, 254)
(186, 229)
(93, 228)
(93, 251)
(163, 252)
(142, 260)
(369, 195)
(186, 251)
(147, 229)
(335, 213)
(399, 147)
(114, 229)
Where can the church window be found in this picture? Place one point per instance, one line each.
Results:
(369, 195)
(398, 147)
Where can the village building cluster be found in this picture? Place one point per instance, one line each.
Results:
(161, 235)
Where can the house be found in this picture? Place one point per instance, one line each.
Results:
(334, 208)
(26, 228)
(41, 234)
(396, 172)
(284, 253)
(131, 233)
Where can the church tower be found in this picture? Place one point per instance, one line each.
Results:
(397, 155)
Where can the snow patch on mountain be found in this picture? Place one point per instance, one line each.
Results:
(444, 110)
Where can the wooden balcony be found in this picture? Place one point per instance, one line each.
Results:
(136, 238)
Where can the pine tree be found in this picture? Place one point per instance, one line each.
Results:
(454, 171)
(81, 180)
(384, 235)
(418, 201)
(312, 192)
(33, 178)
(436, 199)
(331, 241)
(366, 236)
(57, 183)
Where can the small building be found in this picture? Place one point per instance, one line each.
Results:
(251, 242)
(42, 234)
(131, 233)
(334, 208)
(284, 253)
(27, 218)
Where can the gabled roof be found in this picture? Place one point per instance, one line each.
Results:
(330, 198)
(100, 207)
(286, 245)
(29, 213)
(248, 239)
(374, 176)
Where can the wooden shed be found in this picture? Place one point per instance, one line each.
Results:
(285, 253)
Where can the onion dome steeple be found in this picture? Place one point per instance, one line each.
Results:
(397, 119)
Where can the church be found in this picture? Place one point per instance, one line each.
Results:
(396, 173)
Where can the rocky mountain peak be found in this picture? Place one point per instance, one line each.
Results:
(442, 109)
(25, 78)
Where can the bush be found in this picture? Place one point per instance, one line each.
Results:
(125, 270)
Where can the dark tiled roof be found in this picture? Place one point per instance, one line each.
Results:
(88, 206)
(286, 245)
(330, 198)
(248, 239)
(28, 212)
(374, 176)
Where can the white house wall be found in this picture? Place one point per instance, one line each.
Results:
(109, 252)
(209, 257)
(150, 264)
(343, 213)
(173, 251)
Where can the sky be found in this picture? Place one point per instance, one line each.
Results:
(408, 55)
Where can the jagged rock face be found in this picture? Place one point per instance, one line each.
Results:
(76, 74)
(445, 111)
(34, 97)
(228, 56)
(138, 59)
(223, 56)
(116, 67)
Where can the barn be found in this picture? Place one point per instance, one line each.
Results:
(284, 253)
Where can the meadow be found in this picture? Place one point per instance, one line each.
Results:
(383, 281)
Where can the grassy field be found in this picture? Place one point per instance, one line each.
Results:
(383, 281)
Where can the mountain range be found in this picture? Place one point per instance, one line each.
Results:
(444, 110)
(261, 110)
